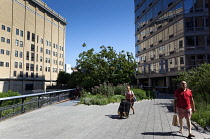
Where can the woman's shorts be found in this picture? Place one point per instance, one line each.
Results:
(184, 113)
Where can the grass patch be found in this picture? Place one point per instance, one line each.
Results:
(202, 114)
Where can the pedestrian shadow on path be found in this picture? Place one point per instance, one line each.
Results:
(114, 117)
(162, 134)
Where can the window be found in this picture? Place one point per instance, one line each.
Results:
(40, 58)
(32, 47)
(37, 58)
(200, 40)
(16, 42)
(21, 73)
(2, 51)
(28, 35)
(180, 43)
(1, 64)
(2, 39)
(8, 29)
(46, 51)
(32, 75)
(42, 41)
(15, 73)
(16, 64)
(26, 74)
(41, 49)
(181, 60)
(40, 68)
(7, 64)
(17, 31)
(21, 33)
(16, 53)
(36, 67)
(46, 42)
(20, 65)
(190, 40)
(32, 56)
(32, 67)
(27, 66)
(7, 52)
(3, 27)
(37, 75)
(21, 54)
(21, 43)
(8, 41)
(27, 55)
(45, 68)
(33, 37)
(48, 69)
(37, 39)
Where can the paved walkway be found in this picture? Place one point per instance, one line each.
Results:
(152, 120)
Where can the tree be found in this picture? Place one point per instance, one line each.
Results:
(105, 66)
(63, 77)
(198, 80)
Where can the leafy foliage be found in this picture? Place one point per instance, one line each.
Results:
(63, 78)
(10, 93)
(105, 66)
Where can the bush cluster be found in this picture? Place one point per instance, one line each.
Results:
(9, 94)
(106, 93)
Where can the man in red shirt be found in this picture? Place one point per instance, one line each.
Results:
(184, 105)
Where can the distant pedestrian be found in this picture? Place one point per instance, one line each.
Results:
(129, 95)
(184, 105)
(77, 92)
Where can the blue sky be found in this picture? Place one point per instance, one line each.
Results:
(96, 23)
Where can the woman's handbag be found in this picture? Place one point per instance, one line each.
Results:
(134, 98)
(175, 121)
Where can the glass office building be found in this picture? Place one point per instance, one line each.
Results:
(171, 36)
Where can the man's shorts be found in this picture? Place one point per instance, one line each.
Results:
(184, 113)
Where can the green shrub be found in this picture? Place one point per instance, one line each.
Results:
(140, 94)
(120, 90)
(10, 94)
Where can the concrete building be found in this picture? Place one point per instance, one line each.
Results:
(32, 46)
(171, 36)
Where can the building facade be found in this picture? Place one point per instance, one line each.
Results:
(32, 45)
(68, 68)
(171, 36)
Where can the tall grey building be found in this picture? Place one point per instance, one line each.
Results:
(171, 36)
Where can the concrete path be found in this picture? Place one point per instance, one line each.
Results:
(152, 120)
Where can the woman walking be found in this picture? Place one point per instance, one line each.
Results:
(129, 95)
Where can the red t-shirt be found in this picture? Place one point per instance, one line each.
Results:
(183, 98)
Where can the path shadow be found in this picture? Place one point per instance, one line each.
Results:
(115, 117)
(163, 134)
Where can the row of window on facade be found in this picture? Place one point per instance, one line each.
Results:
(163, 65)
(165, 34)
(144, 19)
(20, 55)
(197, 23)
(199, 42)
(21, 33)
(27, 74)
(29, 67)
(190, 6)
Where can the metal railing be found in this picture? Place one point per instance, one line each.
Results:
(11, 106)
